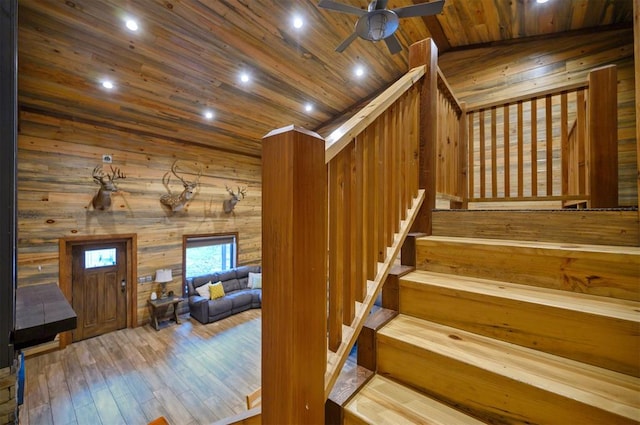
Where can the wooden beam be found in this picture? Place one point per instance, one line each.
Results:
(425, 53)
(294, 263)
(436, 31)
(603, 137)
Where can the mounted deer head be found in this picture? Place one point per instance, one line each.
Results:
(107, 182)
(229, 204)
(177, 202)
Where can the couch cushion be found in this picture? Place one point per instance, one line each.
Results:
(243, 271)
(242, 274)
(201, 280)
(239, 299)
(219, 306)
(225, 275)
(256, 297)
(231, 285)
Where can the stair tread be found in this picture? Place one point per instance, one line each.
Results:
(594, 386)
(586, 248)
(593, 304)
(383, 401)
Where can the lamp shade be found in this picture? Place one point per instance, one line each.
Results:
(163, 275)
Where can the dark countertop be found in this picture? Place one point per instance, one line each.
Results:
(42, 311)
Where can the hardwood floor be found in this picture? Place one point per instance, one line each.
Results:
(190, 373)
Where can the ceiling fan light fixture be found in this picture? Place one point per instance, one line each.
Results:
(379, 23)
(377, 26)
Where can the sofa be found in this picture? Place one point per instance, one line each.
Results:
(238, 295)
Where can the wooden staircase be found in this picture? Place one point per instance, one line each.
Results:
(509, 331)
(335, 215)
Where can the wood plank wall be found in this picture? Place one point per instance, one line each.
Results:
(487, 74)
(56, 156)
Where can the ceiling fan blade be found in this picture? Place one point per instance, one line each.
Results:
(424, 9)
(346, 42)
(340, 7)
(393, 44)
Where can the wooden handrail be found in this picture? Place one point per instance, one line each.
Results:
(570, 87)
(445, 88)
(361, 182)
(343, 135)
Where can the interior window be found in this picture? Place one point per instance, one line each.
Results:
(204, 254)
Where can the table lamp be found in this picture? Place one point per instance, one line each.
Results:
(163, 276)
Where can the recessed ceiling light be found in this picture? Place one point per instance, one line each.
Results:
(107, 84)
(132, 25)
(541, 1)
(297, 22)
(308, 107)
(359, 71)
(208, 115)
(244, 77)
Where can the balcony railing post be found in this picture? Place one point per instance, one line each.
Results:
(463, 160)
(294, 261)
(603, 137)
(425, 52)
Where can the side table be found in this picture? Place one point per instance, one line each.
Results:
(158, 308)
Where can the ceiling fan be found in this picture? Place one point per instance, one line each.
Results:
(379, 23)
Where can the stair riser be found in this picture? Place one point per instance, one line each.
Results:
(482, 393)
(350, 419)
(601, 341)
(596, 273)
(585, 227)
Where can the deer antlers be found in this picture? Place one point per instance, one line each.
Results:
(177, 202)
(99, 175)
(229, 204)
(102, 199)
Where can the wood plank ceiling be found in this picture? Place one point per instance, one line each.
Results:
(187, 57)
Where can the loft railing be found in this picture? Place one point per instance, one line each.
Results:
(451, 139)
(554, 145)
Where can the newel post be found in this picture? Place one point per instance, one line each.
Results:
(425, 52)
(294, 264)
(603, 137)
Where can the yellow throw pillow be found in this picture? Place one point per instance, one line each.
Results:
(216, 290)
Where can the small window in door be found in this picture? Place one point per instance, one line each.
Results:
(99, 258)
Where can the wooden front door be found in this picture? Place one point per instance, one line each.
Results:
(99, 288)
